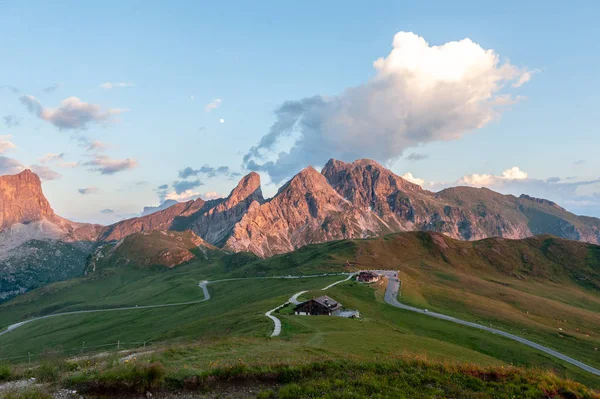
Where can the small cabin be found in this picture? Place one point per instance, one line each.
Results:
(367, 277)
(322, 305)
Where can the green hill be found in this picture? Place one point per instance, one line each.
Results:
(543, 288)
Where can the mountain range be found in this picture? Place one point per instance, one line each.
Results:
(345, 200)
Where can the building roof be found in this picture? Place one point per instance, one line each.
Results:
(327, 302)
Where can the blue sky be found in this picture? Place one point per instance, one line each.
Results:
(175, 59)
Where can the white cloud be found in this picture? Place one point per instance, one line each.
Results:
(112, 85)
(214, 104)
(72, 112)
(211, 195)
(486, 180)
(514, 173)
(409, 176)
(193, 97)
(52, 157)
(420, 93)
(183, 196)
(6, 144)
(222, 120)
(109, 166)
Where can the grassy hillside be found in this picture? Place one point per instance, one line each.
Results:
(543, 288)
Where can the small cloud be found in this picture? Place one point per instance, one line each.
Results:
(71, 114)
(214, 104)
(193, 97)
(11, 121)
(211, 195)
(97, 146)
(112, 85)
(107, 211)
(10, 166)
(222, 120)
(579, 162)
(12, 89)
(409, 177)
(53, 88)
(88, 190)
(185, 185)
(553, 180)
(483, 180)
(514, 173)
(205, 169)
(6, 144)
(44, 172)
(183, 196)
(416, 156)
(52, 157)
(163, 187)
(109, 166)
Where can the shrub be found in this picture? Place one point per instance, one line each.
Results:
(138, 377)
(5, 372)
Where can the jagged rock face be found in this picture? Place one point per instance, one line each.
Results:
(464, 213)
(216, 224)
(305, 210)
(22, 200)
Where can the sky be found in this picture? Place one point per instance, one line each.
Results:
(118, 105)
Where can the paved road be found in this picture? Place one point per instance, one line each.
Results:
(294, 300)
(203, 285)
(391, 297)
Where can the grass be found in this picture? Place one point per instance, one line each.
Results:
(399, 378)
(527, 287)
(28, 393)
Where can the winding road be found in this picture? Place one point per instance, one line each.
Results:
(203, 285)
(391, 297)
(294, 300)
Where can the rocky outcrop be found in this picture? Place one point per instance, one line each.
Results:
(22, 200)
(216, 224)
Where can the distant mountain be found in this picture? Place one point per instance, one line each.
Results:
(358, 199)
(346, 200)
(149, 210)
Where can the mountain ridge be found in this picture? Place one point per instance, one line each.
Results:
(359, 199)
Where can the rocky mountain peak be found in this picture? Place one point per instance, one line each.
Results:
(308, 180)
(247, 189)
(22, 199)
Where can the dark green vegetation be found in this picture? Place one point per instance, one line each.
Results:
(545, 289)
(399, 377)
(38, 263)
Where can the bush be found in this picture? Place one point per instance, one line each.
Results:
(138, 377)
(5, 372)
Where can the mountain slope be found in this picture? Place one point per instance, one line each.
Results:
(37, 247)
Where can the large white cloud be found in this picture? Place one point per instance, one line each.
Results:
(420, 93)
(72, 112)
